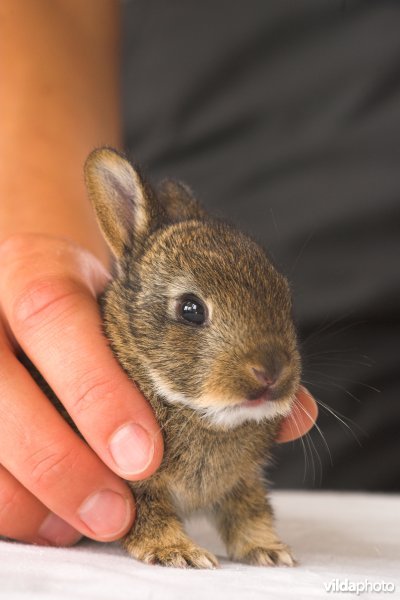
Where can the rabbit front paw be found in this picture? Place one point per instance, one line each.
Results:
(275, 556)
(179, 555)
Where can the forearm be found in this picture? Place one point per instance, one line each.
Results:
(59, 99)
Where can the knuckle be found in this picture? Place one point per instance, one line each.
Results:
(93, 391)
(50, 464)
(43, 299)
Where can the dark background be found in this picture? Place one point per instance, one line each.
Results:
(284, 117)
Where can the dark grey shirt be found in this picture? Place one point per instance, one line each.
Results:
(284, 117)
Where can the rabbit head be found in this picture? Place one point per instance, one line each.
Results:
(195, 301)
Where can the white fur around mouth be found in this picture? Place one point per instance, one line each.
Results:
(233, 416)
(224, 416)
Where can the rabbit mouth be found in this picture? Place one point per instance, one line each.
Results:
(256, 410)
(270, 395)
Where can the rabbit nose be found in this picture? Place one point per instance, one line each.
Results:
(263, 377)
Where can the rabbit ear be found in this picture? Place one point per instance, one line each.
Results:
(126, 208)
(179, 202)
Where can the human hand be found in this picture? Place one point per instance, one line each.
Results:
(53, 486)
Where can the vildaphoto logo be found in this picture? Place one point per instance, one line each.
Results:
(336, 586)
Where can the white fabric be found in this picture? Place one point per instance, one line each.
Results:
(334, 536)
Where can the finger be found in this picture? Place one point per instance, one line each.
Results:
(43, 453)
(301, 419)
(57, 323)
(24, 518)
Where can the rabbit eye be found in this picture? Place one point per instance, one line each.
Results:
(192, 310)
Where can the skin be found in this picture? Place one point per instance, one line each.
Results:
(53, 263)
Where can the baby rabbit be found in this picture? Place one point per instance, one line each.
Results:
(201, 321)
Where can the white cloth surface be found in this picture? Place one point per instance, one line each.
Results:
(334, 536)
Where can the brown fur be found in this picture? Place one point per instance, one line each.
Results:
(166, 245)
